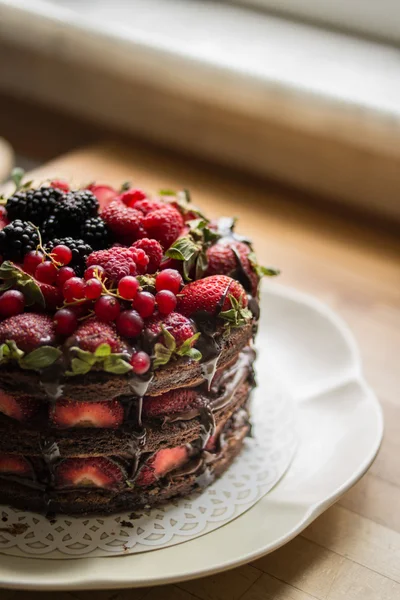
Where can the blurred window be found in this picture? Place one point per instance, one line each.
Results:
(377, 18)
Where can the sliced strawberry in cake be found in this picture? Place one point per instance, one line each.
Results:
(70, 413)
(89, 472)
(20, 409)
(15, 465)
(172, 402)
(162, 463)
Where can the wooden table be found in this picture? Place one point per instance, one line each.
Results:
(353, 550)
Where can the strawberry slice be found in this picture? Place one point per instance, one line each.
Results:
(174, 401)
(20, 409)
(162, 463)
(103, 193)
(89, 472)
(15, 465)
(69, 413)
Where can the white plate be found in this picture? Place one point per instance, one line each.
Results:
(340, 427)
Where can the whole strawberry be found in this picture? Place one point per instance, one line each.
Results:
(117, 262)
(211, 294)
(28, 331)
(104, 193)
(123, 221)
(179, 326)
(93, 333)
(153, 250)
(164, 224)
(230, 257)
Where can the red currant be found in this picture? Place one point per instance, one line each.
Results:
(130, 197)
(60, 185)
(129, 323)
(94, 271)
(32, 260)
(166, 301)
(46, 272)
(65, 321)
(63, 275)
(144, 303)
(74, 289)
(12, 303)
(62, 254)
(107, 308)
(93, 289)
(170, 279)
(128, 287)
(140, 362)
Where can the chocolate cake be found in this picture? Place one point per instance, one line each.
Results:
(126, 347)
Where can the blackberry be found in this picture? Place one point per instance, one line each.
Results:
(96, 233)
(51, 228)
(71, 213)
(33, 205)
(80, 251)
(17, 239)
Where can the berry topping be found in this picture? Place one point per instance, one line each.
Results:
(73, 209)
(162, 463)
(129, 324)
(15, 465)
(107, 308)
(140, 362)
(32, 260)
(17, 239)
(52, 295)
(166, 302)
(103, 193)
(46, 272)
(124, 222)
(153, 250)
(232, 258)
(21, 409)
(172, 402)
(89, 472)
(59, 184)
(169, 279)
(144, 303)
(74, 289)
(180, 327)
(69, 413)
(33, 205)
(211, 294)
(63, 275)
(80, 251)
(62, 254)
(12, 302)
(164, 225)
(96, 233)
(148, 205)
(65, 322)
(117, 262)
(93, 289)
(92, 333)
(28, 331)
(128, 287)
(130, 197)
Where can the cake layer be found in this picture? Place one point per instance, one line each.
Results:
(200, 469)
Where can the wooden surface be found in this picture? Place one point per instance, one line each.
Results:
(353, 550)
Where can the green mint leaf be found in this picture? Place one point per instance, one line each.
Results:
(102, 351)
(40, 358)
(187, 344)
(13, 276)
(194, 354)
(17, 176)
(161, 355)
(169, 339)
(115, 364)
(84, 356)
(125, 186)
(167, 193)
(79, 367)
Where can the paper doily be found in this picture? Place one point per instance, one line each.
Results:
(263, 461)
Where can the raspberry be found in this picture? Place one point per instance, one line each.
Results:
(12, 303)
(166, 302)
(140, 362)
(65, 322)
(129, 323)
(148, 205)
(141, 259)
(128, 287)
(153, 250)
(170, 279)
(107, 308)
(46, 272)
(117, 262)
(124, 222)
(144, 303)
(164, 225)
(130, 197)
